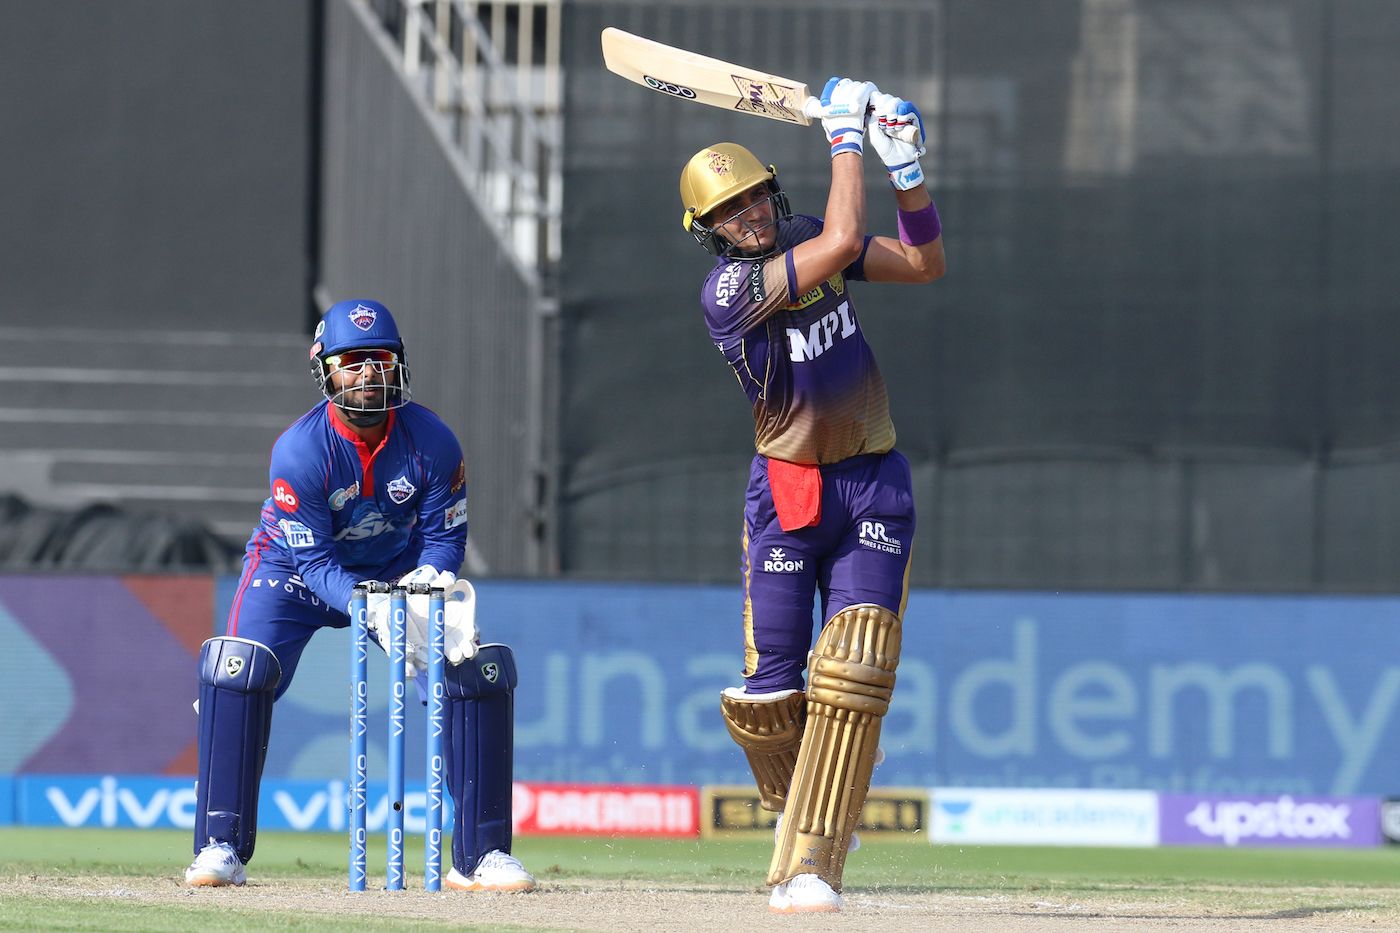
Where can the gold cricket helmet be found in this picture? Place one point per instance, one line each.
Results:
(714, 175)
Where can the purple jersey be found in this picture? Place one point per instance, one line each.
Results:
(817, 394)
(340, 512)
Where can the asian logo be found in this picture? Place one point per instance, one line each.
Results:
(363, 317)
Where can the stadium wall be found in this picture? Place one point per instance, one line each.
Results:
(398, 223)
(1180, 694)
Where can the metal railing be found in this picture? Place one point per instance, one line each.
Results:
(492, 71)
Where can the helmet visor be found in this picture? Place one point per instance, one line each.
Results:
(355, 362)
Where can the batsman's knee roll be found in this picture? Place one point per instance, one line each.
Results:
(848, 693)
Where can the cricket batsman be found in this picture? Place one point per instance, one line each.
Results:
(829, 507)
(367, 485)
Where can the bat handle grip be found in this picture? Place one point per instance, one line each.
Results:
(812, 108)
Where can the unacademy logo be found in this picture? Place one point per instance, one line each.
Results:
(779, 562)
(1234, 820)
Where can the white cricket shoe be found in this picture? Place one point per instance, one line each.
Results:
(497, 871)
(804, 894)
(215, 866)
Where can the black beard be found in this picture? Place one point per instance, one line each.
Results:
(363, 419)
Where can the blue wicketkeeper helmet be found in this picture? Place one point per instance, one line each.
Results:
(345, 331)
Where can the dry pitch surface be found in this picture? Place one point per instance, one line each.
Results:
(612, 905)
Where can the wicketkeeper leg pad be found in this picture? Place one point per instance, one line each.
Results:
(479, 748)
(768, 727)
(238, 681)
(849, 684)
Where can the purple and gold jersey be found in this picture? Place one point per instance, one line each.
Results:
(817, 394)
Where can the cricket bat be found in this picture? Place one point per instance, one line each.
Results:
(705, 80)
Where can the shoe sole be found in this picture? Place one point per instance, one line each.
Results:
(516, 887)
(205, 881)
(804, 909)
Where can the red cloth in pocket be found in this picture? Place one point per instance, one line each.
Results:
(797, 493)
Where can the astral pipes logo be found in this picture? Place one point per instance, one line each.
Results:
(1281, 821)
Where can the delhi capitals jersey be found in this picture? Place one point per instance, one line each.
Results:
(341, 513)
(817, 394)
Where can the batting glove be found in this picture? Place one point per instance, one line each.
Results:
(843, 109)
(897, 134)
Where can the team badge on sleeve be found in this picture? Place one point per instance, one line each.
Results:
(454, 515)
(400, 490)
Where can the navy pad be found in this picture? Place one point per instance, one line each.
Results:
(238, 681)
(479, 747)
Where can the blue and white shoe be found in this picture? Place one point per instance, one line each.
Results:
(216, 866)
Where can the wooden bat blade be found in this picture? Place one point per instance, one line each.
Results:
(691, 76)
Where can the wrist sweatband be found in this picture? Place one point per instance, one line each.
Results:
(919, 227)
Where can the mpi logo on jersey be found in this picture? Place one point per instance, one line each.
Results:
(821, 335)
(283, 495)
(874, 536)
(778, 562)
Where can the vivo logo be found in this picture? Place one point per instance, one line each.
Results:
(111, 804)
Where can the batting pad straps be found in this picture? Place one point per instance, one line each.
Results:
(848, 693)
(768, 727)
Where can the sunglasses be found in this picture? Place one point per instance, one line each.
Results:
(355, 361)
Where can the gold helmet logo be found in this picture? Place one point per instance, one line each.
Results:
(717, 173)
(720, 162)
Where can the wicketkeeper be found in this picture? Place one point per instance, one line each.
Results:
(367, 485)
(829, 506)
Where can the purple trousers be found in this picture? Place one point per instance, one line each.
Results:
(857, 553)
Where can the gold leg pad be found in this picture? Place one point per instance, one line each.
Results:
(769, 731)
(848, 693)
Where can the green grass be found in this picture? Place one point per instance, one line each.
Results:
(38, 870)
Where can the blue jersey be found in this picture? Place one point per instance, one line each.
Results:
(341, 513)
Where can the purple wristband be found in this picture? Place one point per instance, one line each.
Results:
(919, 227)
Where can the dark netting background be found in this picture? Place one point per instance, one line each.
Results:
(1162, 356)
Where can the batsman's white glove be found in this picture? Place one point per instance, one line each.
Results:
(897, 135)
(460, 636)
(843, 110)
